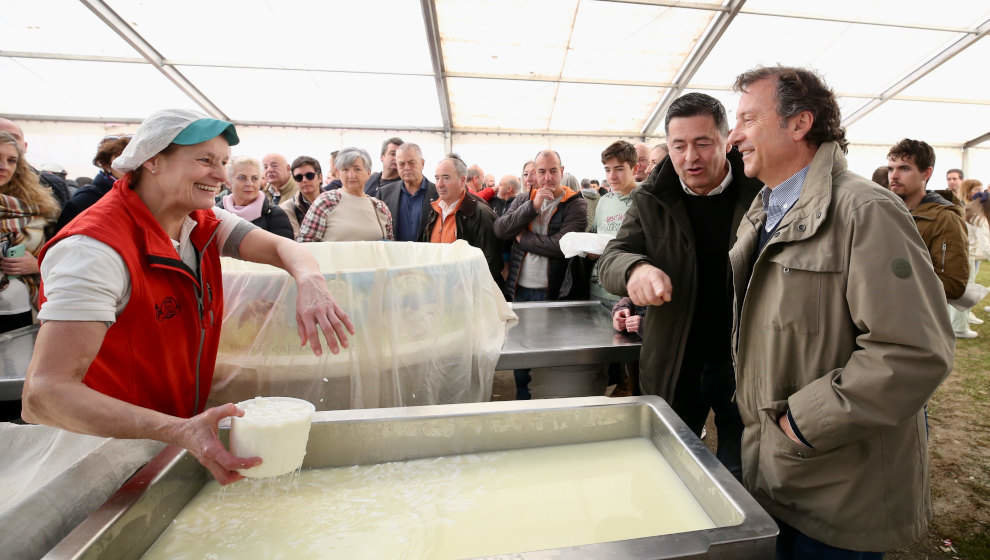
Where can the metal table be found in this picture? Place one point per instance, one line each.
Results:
(558, 333)
(562, 333)
(16, 347)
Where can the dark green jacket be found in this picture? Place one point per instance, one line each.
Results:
(657, 230)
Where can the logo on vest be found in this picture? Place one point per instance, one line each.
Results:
(167, 309)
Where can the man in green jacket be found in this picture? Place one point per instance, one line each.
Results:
(671, 253)
(840, 334)
(619, 161)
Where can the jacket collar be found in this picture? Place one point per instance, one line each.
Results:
(568, 194)
(156, 242)
(289, 189)
(665, 186)
(469, 204)
(811, 209)
(466, 206)
(932, 204)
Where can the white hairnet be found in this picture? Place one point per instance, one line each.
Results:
(156, 133)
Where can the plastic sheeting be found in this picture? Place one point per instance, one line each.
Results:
(52, 479)
(429, 319)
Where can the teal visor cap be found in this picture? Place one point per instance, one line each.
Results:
(206, 129)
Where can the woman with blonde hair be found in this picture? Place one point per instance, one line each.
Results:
(247, 201)
(26, 210)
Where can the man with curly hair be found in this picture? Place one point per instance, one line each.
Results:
(840, 333)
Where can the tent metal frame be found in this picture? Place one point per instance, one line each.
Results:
(725, 14)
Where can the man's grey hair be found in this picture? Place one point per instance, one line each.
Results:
(348, 156)
(473, 171)
(662, 146)
(410, 147)
(460, 167)
(515, 184)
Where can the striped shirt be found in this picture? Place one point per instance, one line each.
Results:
(778, 200)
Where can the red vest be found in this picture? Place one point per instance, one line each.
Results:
(161, 352)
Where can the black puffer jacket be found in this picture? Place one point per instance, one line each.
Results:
(85, 197)
(273, 219)
(570, 215)
(475, 224)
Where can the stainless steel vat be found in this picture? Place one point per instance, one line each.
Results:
(133, 518)
(15, 355)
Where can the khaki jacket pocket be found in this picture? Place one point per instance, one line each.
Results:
(801, 478)
(800, 286)
(787, 468)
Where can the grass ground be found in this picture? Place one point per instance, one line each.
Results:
(959, 417)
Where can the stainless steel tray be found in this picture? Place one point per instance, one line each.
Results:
(16, 347)
(136, 515)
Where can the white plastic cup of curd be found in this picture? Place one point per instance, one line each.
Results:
(275, 429)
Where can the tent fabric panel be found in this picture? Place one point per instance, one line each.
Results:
(45, 87)
(500, 104)
(882, 55)
(963, 77)
(603, 108)
(935, 123)
(505, 37)
(304, 97)
(346, 36)
(632, 42)
(946, 13)
(59, 27)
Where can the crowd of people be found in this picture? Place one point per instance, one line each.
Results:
(806, 306)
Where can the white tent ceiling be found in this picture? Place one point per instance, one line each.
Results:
(575, 67)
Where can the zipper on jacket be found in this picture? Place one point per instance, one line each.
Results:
(197, 278)
(736, 355)
(202, 322)
(944, 246)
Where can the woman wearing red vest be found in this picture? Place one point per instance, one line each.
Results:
(132, 297)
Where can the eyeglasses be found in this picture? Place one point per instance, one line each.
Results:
(309, 176)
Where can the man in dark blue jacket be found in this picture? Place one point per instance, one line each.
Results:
(409, 199)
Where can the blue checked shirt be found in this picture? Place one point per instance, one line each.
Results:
(777, 201)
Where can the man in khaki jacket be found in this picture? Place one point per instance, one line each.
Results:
(940, 221)
(840, 333)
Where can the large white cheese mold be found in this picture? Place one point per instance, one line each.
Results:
(275, 429)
